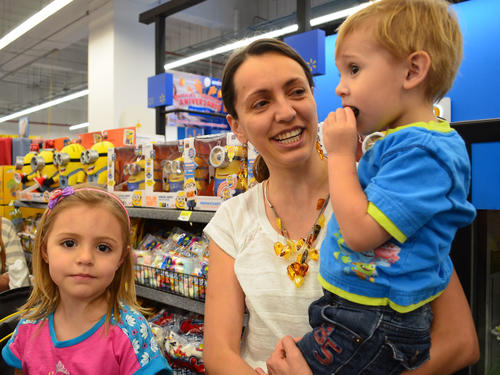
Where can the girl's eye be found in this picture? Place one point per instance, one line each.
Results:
(354, 68)
(103, 248)
(69, 243)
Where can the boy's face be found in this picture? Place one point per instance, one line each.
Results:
(371, 81)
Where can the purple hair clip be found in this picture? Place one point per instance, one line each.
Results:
(59, 194)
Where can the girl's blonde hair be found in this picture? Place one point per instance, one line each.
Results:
(406, 26)
(45, 297)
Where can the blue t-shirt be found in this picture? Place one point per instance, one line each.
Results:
(416, 179)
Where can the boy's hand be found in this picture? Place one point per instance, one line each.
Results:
(340, 135)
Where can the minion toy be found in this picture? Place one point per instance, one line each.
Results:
(68, 161)
(190, 191)
(28, 175)
(136, 174)
(230, 170)
(180, 200)
(43, 163)
(173, 174)
(95, 161)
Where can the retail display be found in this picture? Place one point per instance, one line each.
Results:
(197, 173)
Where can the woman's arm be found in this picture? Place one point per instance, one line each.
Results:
(224, 311)
(453, 334)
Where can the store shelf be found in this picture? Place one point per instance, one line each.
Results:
(147, 213)
(171, 215)
(184, 303)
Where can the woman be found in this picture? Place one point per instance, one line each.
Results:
(268, 93)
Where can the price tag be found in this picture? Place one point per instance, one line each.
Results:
(185, 215)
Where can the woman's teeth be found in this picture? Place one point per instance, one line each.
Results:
(289, 137)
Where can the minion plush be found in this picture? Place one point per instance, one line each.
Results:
(71, 170)
(28, 174)
(43, 163)
(95, 161)
(229, 163)
(136, 174)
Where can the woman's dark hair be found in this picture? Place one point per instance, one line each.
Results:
(259, 47)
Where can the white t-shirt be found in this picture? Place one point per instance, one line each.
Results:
(276, 307)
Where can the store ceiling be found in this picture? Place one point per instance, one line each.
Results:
(50, 61)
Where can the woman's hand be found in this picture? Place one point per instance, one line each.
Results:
(286, 359)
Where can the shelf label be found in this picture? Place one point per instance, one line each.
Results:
(184, 215)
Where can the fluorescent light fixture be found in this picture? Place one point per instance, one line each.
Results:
(79, 126)
(48, 104)
(231, 46)
(272, 34)
(31, 22)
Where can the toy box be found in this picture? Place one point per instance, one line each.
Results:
(225, 160)
(196, 173)
(126, 174)
(8, 184)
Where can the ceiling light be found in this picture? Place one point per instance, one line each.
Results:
(39, 107)
(272, 34)
(338, 15)
(31, 22)
(79, 126)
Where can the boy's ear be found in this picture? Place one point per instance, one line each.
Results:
(237, 129)
(419, 63)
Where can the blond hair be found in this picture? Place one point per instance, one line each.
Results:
(45, 296)
(407, 26)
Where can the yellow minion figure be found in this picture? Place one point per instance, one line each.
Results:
(95, 162)
(68, 161)
(28, 175)
(137, 198)
(43, 163)
(180, 200)
(173, 174)
(230, 170)
(136, 174)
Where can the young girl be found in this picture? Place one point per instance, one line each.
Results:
(81, 317)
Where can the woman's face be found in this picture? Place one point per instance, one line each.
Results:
(276, 109)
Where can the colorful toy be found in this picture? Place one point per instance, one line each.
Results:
(173, 174)
(71, 170)
(95, 161)
(43, 163)
(28, 175)
(136, 174)
(230, 170)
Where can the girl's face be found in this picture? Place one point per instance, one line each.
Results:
(371, 81)
(84, 250)
(276, 109)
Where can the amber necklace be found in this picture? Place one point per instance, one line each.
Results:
(304, 247)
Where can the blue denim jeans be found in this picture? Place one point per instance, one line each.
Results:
(348, 338)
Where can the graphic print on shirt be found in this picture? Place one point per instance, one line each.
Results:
(364, 264)
(60, 369)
